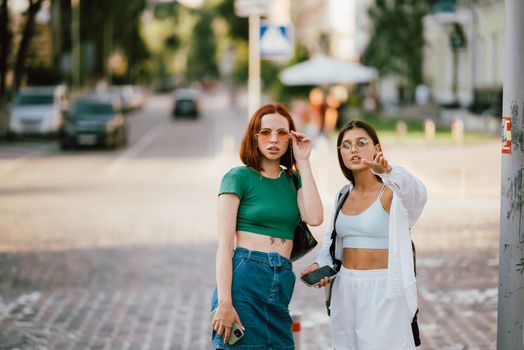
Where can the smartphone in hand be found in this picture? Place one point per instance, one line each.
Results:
(314, 277)
(236, 332)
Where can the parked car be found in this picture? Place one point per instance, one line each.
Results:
(186, 104)
(38, 111)
(95, 120)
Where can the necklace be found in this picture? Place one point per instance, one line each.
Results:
(266, 175)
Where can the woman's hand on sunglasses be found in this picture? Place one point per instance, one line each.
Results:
(302, 145)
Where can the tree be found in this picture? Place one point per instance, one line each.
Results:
(27, 35)
(280, 91)
(238, 26)
(202, 50)
(110, 25)
(238, 34)
(397, 40)
(5, 46)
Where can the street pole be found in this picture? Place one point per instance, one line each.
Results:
(75, 35)
(254, 65)
(108, 45)
(473, 43)
(253, 9)
(511, 255)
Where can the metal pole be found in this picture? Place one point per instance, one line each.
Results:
(473, 41)
(254, 64)
(511, 255)
(108, 45)
(75, 35)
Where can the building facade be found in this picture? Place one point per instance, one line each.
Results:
(339, 28)
(463, 55)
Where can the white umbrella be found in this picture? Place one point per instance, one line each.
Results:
(324, 70)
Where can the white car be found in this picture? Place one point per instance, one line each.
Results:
(38, 111)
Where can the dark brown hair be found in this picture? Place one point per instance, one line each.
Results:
(354, 124)
(249, 152)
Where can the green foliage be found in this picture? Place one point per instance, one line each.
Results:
(172, 42)
(275, 87)
(164, 10)
(238, 26)
(42, 75)
(238, 33)
(6, 37)
(240, 72)
(202, 61)
(390, 124)
(122, 17)
(397, 40)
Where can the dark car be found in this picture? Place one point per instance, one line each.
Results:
(186, 104)
(95, 121)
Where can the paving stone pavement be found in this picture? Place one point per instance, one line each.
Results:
(138, 272)
(153, 297)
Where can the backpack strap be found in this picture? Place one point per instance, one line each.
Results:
(340, 201)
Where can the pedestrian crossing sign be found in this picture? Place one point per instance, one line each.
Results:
(276, 40)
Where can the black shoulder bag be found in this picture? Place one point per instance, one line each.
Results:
(337, 264)
(303, 240)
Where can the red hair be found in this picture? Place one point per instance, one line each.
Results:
(249, 152)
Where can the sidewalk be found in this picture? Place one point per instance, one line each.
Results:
(133, 266)
(444, 117)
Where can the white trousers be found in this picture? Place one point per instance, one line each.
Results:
(361, 316)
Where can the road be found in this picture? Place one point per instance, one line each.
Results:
(115, 249)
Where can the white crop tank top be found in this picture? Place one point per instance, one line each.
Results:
(369, 229)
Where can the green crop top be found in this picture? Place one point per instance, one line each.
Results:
(267, 206)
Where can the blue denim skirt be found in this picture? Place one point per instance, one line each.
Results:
(261, 289)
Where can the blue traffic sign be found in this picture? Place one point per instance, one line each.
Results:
(276, 40)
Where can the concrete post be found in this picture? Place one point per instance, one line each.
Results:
(401, 129)
(457, 131)
(429, 130)
(511, 253)
(296, 316)
(254, 65)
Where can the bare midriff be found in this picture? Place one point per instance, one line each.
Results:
(263, 243)
(365, 259)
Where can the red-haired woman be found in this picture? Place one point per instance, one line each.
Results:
(259, 207)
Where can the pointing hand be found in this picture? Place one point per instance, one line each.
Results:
(379, 164)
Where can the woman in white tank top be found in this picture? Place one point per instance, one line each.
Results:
(374, 294)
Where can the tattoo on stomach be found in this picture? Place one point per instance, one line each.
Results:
(273, 241)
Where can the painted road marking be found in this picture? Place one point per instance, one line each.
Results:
(144, 142)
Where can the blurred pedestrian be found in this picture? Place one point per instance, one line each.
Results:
(331, 114)
(374, 296)
(259, 207)
(299, 110)
(317, 110)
